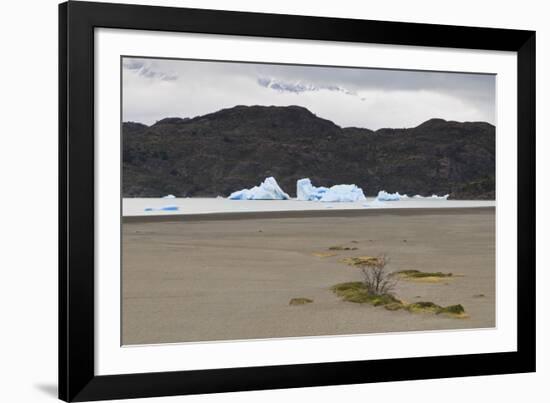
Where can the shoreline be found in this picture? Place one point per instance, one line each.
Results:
(344, 213)
(196, 206)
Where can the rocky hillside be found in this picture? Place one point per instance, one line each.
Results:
(235, 148)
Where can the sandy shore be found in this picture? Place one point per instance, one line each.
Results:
(227, 279)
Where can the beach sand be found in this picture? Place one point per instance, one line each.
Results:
(197, 279)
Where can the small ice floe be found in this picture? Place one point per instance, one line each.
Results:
(169, 197)
(385, 196)
(164, 208)
(337, 193)
(432, 197)
(267, 190)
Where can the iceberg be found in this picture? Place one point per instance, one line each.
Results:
(436, 197)
(432, 197)
(385, 196)
(338, 193)
(307, 192)
(343, 193)
(267, 190)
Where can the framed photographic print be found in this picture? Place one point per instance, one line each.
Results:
(254, 201)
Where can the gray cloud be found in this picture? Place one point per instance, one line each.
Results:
(144, 69)
(474, 86)
(298, 87)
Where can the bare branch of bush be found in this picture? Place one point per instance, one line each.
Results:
(377, 279)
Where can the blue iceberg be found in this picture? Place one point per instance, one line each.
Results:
(307, 192)
(267, 190)
(343, 193)
(385, 196)
(337, 193)
(432, 197)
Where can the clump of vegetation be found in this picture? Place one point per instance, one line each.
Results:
(378, 281)
(421, 274)
(428, 277)
(300, 301)
(324, 254)
(427, 306)
(361, 261)
(454, 310)
(352, 292)
(376, 287)
(357, 292)
(424, 306)
(342, 248)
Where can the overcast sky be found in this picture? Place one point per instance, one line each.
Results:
(154, 89)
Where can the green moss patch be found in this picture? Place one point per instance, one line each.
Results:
(423, 306)
(422, 274)
(357, 292)
(454, 309)
(363, 261)
(300, 301)
(429, 307)
(426, 277)
(338, 247)
(352, 292)
(324, 254)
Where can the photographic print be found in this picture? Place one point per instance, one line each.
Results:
(272, 201)
(253, 201)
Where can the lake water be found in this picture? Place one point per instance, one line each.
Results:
(137, 206)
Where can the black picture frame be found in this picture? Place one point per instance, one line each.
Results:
(77, 379)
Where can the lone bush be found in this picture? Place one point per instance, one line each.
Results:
(376, 278)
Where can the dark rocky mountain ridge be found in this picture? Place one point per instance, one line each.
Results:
(238, 147)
